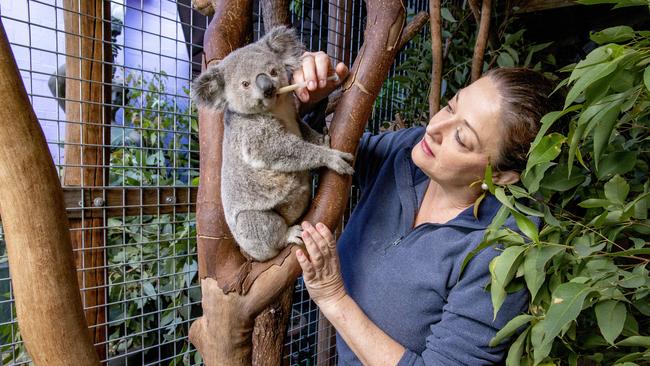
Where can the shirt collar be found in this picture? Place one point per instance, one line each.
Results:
(487, 209)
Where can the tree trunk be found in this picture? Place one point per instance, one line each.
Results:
(50, 314)
(271, 325)
(87, 91)
(436, 65)
(481, 40)
(234, 290)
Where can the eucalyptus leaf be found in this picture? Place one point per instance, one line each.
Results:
(616, 34)
(617, 189)
(526, 226)
(603, 130)
(635, 341)
(546, 150)
(611, 316)
(505, 60)
(619, 162)
(510, 328)
(566, 304)
(503, 269)
(535, 266)
(446, 15)
(590, 76)
(517, 349)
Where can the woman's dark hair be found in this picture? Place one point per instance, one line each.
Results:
(525, 99)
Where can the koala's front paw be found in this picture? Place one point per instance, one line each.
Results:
(340, 162)
(294, 235)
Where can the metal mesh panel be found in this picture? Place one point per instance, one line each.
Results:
(132, 205)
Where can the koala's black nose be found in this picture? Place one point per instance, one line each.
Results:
(266, 84)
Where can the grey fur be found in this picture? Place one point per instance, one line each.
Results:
(267, 150)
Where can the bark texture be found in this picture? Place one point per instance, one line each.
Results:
(44, 282)
(481, 40)
(235, 290)
(436, 50)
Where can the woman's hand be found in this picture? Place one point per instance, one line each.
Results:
(316, 67)
(321, 271)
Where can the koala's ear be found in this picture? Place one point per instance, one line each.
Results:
(283, 42)
(208, 88)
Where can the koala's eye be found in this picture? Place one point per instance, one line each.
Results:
(245, 84)
(274, 72)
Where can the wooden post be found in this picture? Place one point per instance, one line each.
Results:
(87, 137)
(339, 30)
(48, 304)
(234, 290)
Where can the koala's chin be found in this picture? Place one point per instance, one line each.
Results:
(268, 104)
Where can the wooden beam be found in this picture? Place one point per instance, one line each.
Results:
(127, 201)
(48, 305)
(87, 107)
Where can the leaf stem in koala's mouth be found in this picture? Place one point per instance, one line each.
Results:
(292, 87)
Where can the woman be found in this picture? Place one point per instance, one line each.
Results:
(397, 297)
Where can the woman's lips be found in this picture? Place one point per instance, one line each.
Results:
(426, 148)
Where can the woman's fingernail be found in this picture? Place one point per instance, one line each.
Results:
(320, 226)
(323, 82)
(311, 84)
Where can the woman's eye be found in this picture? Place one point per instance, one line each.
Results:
(449, 109)
(458, 138)
(274, 72)
(245, 84)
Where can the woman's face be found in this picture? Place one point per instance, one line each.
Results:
(462, 137)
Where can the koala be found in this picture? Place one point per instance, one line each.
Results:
(267, 150)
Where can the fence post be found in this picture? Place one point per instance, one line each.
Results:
(87, 137)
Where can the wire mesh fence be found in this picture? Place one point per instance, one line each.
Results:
(109, 82)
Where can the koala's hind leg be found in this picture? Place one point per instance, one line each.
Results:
(263, 234)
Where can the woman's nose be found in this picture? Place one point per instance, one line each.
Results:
(436, 131)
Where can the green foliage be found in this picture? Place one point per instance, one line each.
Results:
(152, 263)
(152, 280)
(587, 268)
(158, 144)
(295, 6)
(408, 90)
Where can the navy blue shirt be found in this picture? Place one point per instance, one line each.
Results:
(407, 280)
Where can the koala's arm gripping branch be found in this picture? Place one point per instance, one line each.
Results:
(275, 149)
(235, 291)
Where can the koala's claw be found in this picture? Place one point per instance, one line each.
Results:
(341, 163)
(294, 235)
(346, 156)
(326, 140)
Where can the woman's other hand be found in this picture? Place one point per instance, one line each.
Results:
(316, 67)
(321, 271)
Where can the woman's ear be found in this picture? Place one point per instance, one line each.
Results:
(505, 178)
